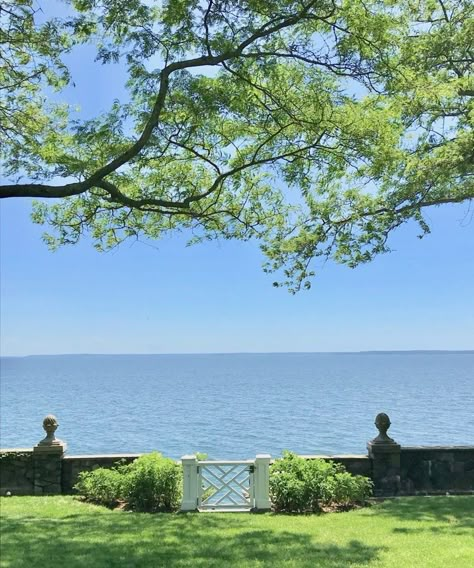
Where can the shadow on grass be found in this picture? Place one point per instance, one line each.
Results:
(125, 539)
(435, 514)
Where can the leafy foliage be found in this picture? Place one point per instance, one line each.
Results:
(150, 483)
(101, 486)
(153, 483)
(298, 484)
(316, 127)
(30, 64)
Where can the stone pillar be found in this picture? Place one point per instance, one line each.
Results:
(262, 482)
(384, 454)
(47, 460)
(190, 483)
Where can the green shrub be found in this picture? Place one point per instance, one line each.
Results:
(152, 483)
(298, 484)
(289, 490)
(101, 486)
(344, 489)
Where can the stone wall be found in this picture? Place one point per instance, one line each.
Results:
(47, 472)
(355, 464)
(16, 471)
(395, 470)
(437, 469)
(73, 465)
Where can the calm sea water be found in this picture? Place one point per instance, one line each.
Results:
(234, 406)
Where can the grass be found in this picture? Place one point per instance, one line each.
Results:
(411, 532)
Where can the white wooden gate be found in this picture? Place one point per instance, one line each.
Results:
(226, 485)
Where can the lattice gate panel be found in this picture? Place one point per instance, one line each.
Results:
(226, 485)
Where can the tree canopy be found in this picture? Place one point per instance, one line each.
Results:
(314, 126)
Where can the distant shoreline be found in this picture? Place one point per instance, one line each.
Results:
(256, 353)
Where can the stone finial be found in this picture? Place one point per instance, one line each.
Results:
(50, 425)
(382, 422)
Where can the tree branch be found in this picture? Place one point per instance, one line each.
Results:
(49, 191)
(409, 207)
(41, 190)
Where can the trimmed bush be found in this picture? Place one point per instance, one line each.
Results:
(152, 483)
(298, 485)
(101, 486)
(345, 490)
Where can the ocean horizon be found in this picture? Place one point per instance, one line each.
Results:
(383, 351)
(235, 405)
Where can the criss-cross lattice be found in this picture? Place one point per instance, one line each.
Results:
(226, 485)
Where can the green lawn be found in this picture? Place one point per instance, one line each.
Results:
(61, 531)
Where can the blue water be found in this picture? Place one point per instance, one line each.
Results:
(235, 406)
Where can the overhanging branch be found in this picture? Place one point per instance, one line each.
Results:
(48, 191)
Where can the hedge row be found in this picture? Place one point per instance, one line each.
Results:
(153, 483)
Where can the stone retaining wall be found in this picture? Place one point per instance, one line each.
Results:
(355, 464)
(16, 471)
(73, 465)
(395, 470)
(437, 469)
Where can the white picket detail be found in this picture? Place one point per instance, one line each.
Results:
(190, 483)
(262, 482)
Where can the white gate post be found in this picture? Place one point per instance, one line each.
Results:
(262, 482)
(190, 483)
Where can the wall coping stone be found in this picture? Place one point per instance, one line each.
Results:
(326, 456)
(335, 457)
(53, 449)
(106, 456)
(443, 448)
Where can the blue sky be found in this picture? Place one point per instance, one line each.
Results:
(214, 297)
